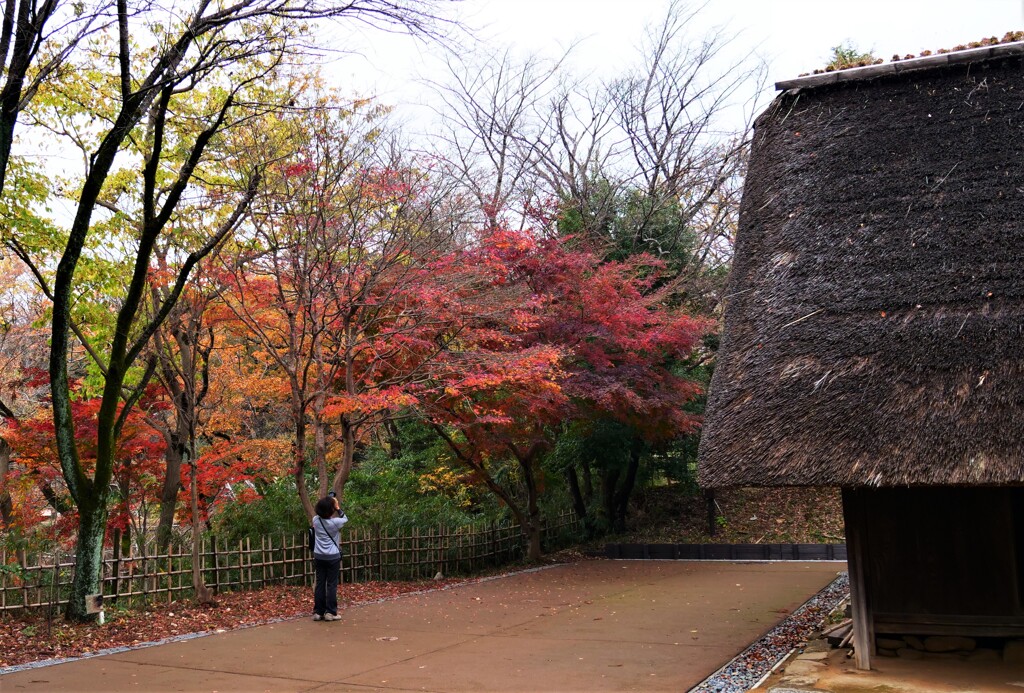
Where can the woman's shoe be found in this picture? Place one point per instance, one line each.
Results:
(331, 617)
(318, 617)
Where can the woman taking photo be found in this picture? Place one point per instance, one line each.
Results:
(327, 524)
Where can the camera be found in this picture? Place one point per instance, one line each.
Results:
(332, 494)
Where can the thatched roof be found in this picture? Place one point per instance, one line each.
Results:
(874, 331)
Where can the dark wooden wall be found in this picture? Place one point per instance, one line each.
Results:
(940, 560)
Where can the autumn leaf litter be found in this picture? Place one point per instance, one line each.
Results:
(32, 640)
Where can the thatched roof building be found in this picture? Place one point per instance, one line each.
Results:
(874, 332)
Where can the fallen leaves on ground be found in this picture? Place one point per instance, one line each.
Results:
(32, 637)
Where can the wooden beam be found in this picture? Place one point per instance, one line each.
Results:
(860, 600)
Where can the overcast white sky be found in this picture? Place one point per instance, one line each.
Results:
(792, 36)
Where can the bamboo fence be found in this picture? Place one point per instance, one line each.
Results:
(43, 581)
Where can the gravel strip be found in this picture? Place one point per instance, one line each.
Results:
(750, 666)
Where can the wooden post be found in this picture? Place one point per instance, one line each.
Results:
(380, 566)
(24, 583)
(416, 552)
(248, 565)
(216, 564)
(305, 572)
(860, 600)
(712, 513)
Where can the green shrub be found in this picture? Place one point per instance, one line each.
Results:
(278, 511)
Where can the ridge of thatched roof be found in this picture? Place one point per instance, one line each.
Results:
(874, 332)
(909, 64)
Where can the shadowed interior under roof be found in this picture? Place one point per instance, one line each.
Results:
(874, 332)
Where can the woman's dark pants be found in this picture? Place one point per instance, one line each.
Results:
(325, 593)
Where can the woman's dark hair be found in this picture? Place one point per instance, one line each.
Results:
(325, 508)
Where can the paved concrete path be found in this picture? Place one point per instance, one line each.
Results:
(591, 626)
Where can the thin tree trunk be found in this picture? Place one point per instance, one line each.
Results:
(709, 501)
(203, 595)
(394, 440)
(299, 471)
(348, 440)
(573, 482)
(625, 490)
(588, 483)
(526, 464)
(6, 504)
(609, 480)
(169, 493)
(320, 444)
(474, 466)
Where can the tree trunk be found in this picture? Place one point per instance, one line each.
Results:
(529, 529)
(320, 444)
(609, 480)
(6, 505)
(299, 471)
(709, 500)
(348, 440)
(533, 529)
(624, 491)
(92, 524)
(394, 440)
(203, 595)
(588, 483)
(534, 551)
(578, 503)
(169, 493)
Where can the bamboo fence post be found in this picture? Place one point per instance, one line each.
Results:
(442, 549)
(145, 572)
(445, 545)
(416, 552)
(25, 597)
(203, 562)
(216, 564)
(116, 569)
(181, 565)
(130, 565)
(305, 572)
(54, 597)
(380, 567)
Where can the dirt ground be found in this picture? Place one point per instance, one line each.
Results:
(836, 673)
(588, 626)
(668, 514)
